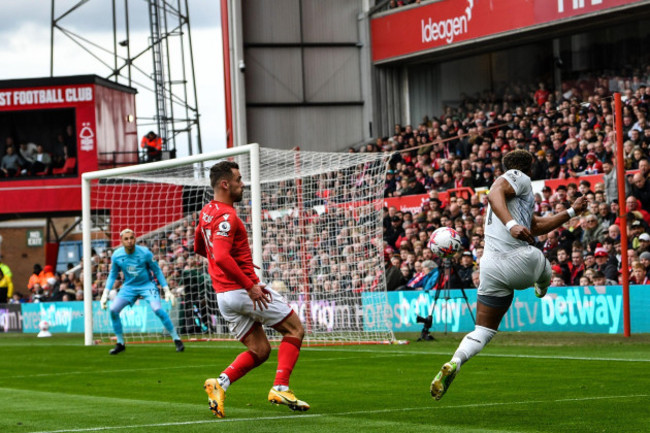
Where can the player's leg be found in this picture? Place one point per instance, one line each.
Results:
(544, 280)
(489, 312)
(152, 296)
(292, 334)
(258, 352)
(493, 301)
(237, 308)
(117, 306)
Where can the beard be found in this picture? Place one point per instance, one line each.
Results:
(237, 196)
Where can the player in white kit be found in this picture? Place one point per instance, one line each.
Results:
(509, 261)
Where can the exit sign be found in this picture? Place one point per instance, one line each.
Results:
(34, 238)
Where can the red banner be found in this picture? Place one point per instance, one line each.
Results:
(441, 24)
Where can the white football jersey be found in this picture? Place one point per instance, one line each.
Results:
(521, 207)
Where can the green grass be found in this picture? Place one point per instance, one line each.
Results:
(520, 383)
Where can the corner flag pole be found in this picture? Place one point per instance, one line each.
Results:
(620, 179)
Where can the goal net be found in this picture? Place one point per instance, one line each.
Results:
(315, 225)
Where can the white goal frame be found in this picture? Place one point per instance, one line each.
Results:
(253, 150)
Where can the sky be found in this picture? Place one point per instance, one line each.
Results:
(25, 52)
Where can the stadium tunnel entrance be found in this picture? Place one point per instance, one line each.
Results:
(562, 56)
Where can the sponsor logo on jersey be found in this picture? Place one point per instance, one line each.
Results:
(207, 218)
(132, 269)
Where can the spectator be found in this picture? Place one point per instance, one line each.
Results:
(393, 275)
(431, 279)
(35, 277)
(641, 189)
(599, 279)
(42, 161)
(639, 274)
(606, 264)
(10, 164)
(152, 144)
(6, 270)
(593, 231)
(6, 288)
(27, 153)
(462, 275)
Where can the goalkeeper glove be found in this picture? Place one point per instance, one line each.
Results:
(104, 299)
(169, 297)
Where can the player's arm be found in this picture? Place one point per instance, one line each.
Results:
(543, 225)
(221, 247)
(110, 281)
(498, 196)
(199, 242)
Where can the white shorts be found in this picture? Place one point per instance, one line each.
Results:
(504, 272)
(237, 308)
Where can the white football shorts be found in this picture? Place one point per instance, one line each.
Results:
(517, 269)
(237, 308)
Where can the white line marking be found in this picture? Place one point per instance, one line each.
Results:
(361, 412)
(492, 355)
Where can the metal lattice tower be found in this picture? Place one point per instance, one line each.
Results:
(170, 77)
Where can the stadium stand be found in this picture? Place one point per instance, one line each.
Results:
(447, 164)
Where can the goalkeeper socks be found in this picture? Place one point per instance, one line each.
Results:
(117, 326)
(287, 358)
(473, 343)
(167, 323)
(245, 362)
(224, 381)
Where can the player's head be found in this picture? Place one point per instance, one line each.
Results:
(518, 159)
(225, 178)
(127, 237)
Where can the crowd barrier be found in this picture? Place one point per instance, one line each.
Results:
(564, 309)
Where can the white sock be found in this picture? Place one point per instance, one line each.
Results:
(224, 381)
(472, 344)
(281, 387)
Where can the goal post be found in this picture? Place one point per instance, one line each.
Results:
(315, 227)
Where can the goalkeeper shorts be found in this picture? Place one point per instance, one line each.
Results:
(237, 308)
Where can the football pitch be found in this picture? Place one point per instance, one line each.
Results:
(519, 383)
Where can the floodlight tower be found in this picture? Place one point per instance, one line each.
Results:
(170, 76)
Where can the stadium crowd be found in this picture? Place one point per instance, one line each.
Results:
(22, 158)
(569, 132)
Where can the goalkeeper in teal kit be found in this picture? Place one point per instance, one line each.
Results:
(138, 267)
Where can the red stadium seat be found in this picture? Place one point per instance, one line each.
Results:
(68, 167)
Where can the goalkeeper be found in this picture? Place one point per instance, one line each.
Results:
(138, 267)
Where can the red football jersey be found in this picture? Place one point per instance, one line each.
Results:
(221, 237)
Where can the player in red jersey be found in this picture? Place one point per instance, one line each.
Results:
(243, 300)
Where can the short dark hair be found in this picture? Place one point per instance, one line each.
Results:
(222, 170)
(518, 159)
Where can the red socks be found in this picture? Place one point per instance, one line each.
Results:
(245, 362)
(287, 358)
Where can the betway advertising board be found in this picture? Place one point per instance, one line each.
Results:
(441, 24)
(565, 309)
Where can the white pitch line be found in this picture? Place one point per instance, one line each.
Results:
(483, 354)
(360, 412)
